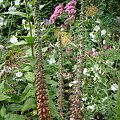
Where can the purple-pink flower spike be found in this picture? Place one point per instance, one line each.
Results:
(58, 11)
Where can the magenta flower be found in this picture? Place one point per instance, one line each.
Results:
(58, 11)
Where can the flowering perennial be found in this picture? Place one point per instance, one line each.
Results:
(58, 11)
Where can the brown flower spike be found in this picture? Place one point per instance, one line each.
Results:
(41, 88)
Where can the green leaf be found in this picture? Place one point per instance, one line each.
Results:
(14, 117)
(30, 76)
(14, 98)
(28, 91)
(14, 107)
(22, 14)
(3, 111)
(53, 110)
(3, 97)
(29, 103)
(52, 82)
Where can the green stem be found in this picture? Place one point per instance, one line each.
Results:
(29, 22)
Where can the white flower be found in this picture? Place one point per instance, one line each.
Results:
(114, 87)
(94, 40)
(1, 21)
(85, 71)
(11, 9)
(73, 83)
(96, 28)
(103, 32)
(91, 107)
(51, 61)
(13, 39)
(96, 67)
(104, 42)
(1, 47)
(17, 2)
(97, 21)
(23, 21)
(84, 99)
(92, 35)
(1, 1)
(19, 74)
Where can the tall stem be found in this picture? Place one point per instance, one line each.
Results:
(77, 88)
(60, 80)
(41, 88)
(29, 22)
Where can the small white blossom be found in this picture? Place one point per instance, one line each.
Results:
(17, 2)
(114, 87)
(84, 99)
(1, 47)
(91, 107)
(103, 32)
(104, 42)
(52, 60)
(23, 21)
(73, 83)
(97, 21)
(11, 9)
(96, 28)
(85, 71)
(1, 21)
(92, 35)
(13, 39)
(19, 74)
(1, 1)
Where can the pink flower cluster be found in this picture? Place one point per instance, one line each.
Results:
(58, 11)
(70, 8)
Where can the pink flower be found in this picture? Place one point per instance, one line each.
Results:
(58, 11)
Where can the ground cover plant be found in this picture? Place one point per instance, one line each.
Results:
(59, 60)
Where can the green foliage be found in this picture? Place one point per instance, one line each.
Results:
(100, 81)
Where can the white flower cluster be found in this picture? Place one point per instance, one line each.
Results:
(19, 74)
(85, 72)
(51, 60)
(96, 70)
(96, 29)
(114, 87)
(17, 2)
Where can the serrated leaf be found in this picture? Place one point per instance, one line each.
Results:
(22, 14)
(29, 103)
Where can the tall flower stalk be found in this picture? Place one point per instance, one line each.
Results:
(76, 103)
(60, 80)
(41, 88)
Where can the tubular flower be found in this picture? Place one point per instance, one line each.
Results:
(70, 8)
(58, 11)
